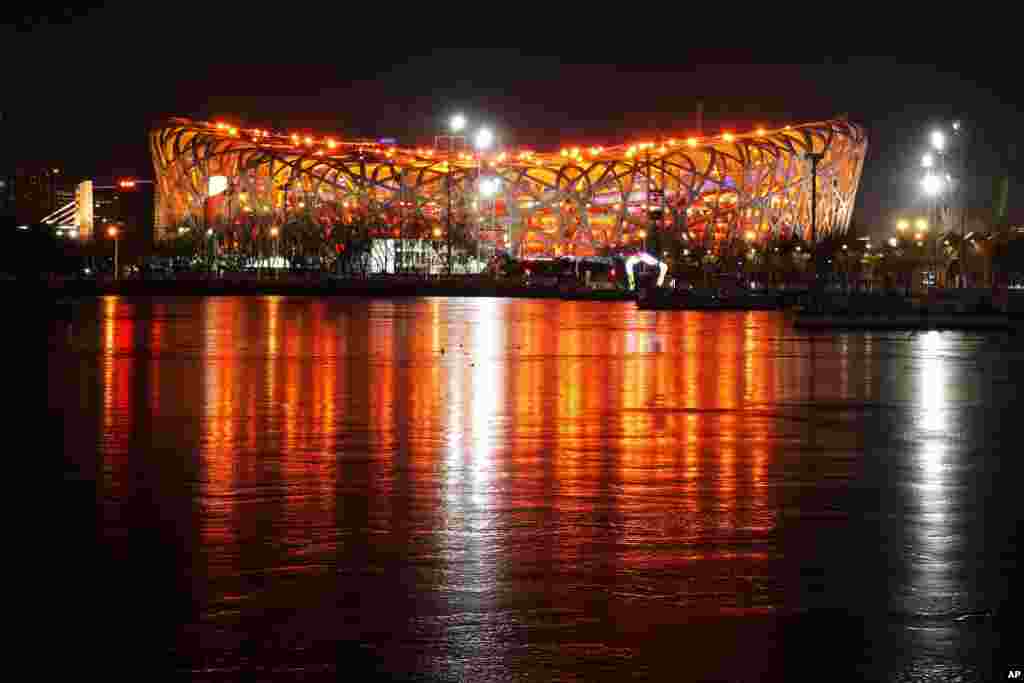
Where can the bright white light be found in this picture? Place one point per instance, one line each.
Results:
(893, 241)
(484, 138)
(217, 184)
(490, 186)
(927, 161)
(956, 125)
(457, 123)
(22, 227)
(932, 184)
(938, 140)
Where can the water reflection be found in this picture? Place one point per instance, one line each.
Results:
(933, 589)
(465, 475)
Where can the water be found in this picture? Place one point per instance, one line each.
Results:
(478, 489)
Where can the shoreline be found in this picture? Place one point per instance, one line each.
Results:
(367, 289)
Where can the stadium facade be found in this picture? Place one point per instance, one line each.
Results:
(578, 200)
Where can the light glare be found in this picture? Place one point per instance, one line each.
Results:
(484, 138)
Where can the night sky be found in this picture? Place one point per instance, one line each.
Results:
(109, 74)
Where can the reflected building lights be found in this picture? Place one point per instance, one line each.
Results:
(217, 454)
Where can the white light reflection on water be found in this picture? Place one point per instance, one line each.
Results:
(932, 589)
(487, 388)
(475, 388)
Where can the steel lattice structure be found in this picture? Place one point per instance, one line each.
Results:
(575, 201)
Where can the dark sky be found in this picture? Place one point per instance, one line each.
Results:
(95, 83)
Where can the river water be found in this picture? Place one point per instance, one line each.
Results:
(479, 489)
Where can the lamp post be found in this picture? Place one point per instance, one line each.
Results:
(209, 251)
(814, 158)
(273, 264)
(455, 125)
(112, 231)
(489, 188)
(957, 141)
(484, 140)
(932, 185)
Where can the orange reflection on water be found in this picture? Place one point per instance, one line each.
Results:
(118, 363)
(545, 434)
(219, 450)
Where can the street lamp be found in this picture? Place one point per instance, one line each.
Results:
(902, 225)
(932, 184)
(489, 188)
(209, 250)
(893, 242)
(956, 191)
(273, 234)
(927, 161)
(484, 139)
(455, 124)
(938, 140)
(112, 231)
(815, 158)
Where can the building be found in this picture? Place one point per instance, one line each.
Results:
(581, 201)
(89, 208)
(37, 192)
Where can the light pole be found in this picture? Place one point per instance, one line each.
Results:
(489, 188)
(484, 140)
(960, 204)
(209, 251)
(814, 158)
(750, 235)
(455, 125)
(273, 264)
(932, 185)
(437, 240)
(112, 231)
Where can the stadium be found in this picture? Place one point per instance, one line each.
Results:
(580, 201)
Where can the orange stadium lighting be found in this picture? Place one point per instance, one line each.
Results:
(181, 149)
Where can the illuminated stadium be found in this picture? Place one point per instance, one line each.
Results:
(574, 201)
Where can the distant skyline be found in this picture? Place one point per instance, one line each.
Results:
(528, 99)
